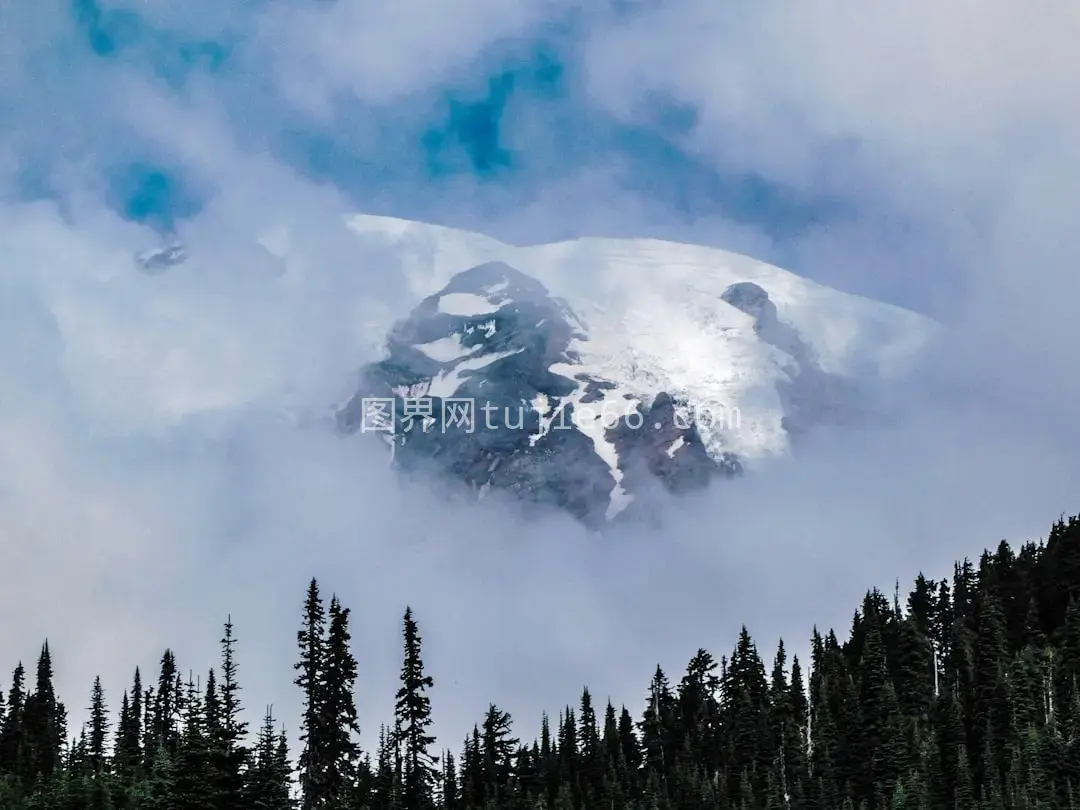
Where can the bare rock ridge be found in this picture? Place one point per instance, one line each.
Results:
(810, 396)
(488, 342)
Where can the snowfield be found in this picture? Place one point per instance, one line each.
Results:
(651, 318)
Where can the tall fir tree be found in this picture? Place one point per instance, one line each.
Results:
(498, 747)
(312, 761)
(412, 713)
(12, 732)
(266, 782)
(44, 723)
(226, 729)
(166, 709)
(128, 755)
(194, 784)
(99, 729)
(341, 750)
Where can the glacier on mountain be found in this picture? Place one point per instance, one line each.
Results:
(669, 365)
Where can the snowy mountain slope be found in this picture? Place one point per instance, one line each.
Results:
(741, 356)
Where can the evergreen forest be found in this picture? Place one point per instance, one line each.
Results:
(962, 694)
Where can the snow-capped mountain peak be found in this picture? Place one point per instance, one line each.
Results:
(600, 369)
(604, 369)
(486, 379)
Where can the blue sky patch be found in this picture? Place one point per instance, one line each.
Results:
(153, 195)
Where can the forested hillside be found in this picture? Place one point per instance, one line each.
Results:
(963, 694)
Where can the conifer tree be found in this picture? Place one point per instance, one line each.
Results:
(341, 750)
(788, 741)
(450, 793)
(658, 726)
(166, 709)
(567, 747)
(746, 717)
(548, 766)
(610, 747)
(99, 729)
(882, 733)
(129, 744)
(12, 734)
(194, 784)
(497, 751)
(629, 743)
(212, 721)
(226, 729)
(44, 723)
(991, 699)
(128, 754)
(312, 762)
(590, 766)
(266, 783)
(413, 716)
(282, 774)
(386, 783)
(698, 710)
(159, 791)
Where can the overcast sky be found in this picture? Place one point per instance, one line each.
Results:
(919, 152)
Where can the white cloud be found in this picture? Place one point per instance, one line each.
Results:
(948, 91)
(952, 129)
(152, 476)
(379, 52)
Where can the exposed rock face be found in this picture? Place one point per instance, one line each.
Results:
(158, 260)
(811, 396)
(494, 343)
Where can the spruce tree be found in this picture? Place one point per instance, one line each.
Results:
(658, 726)
(567, 747)
(610, 748)
(881, 731)
(194, 784)
(266, 782)
(226, 729)
(450, 793)
(698, 710)
(413, 718)
(628, 742)
(312, 762)
(590, 766)
(548, 765)
(385, 785)
(341, 750)
(993, 713)
(12, 733)
(166, 708)
(746, 717)
(121, 763)
(282, 775)
(128, 754)
(44, 723)
(99, 728)
(212, 721)
(497, 752)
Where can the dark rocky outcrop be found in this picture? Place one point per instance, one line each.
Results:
(504, 368)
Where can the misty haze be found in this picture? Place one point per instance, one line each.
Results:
(540, 349)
